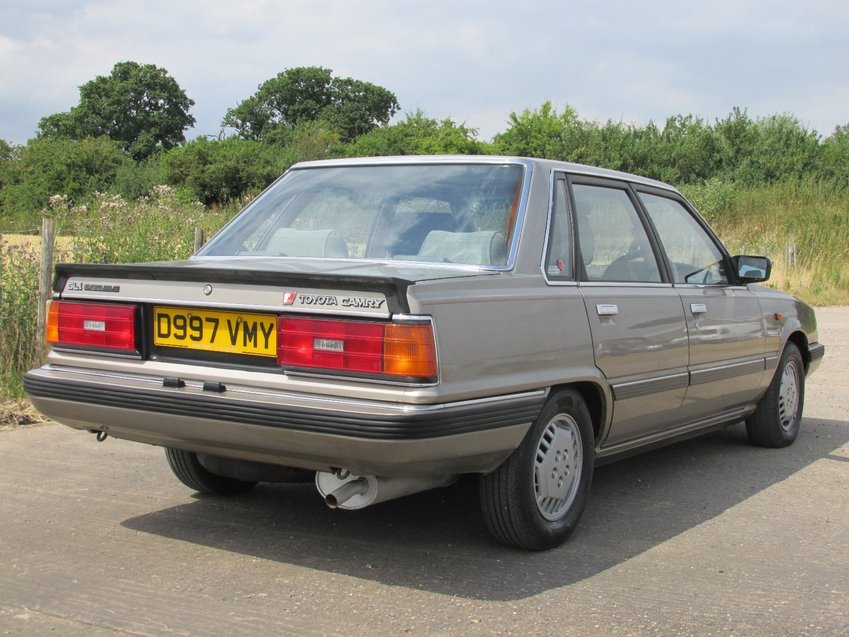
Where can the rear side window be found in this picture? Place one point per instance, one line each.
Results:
(558, 261)
(613, 241)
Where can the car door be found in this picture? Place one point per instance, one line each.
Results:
(724, 321)
(636, 319)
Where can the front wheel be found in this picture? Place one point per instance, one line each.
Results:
(193, 474)
(776, 421)
(536, 497)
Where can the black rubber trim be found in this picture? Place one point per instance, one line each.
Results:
(394, 288)
(726, 372)
(816, 350)
(623, 391)
(650, 386)
(412, 426)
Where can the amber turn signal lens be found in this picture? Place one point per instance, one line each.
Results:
(52, 332)
(408, 350)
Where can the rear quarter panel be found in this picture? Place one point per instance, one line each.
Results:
(505, 333)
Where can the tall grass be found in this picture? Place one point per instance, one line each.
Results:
(107, 229)
(802, 225)
(110, 229)
(18, 309)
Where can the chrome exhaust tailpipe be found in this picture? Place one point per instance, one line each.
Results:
(348, 490)
(343, 490)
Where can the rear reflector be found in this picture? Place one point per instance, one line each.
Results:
(403, 352)
(92, 325)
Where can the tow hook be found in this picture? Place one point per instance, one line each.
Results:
(101, 436)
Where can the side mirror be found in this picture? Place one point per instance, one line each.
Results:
(751, 269)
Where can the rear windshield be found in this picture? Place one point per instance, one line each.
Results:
(457, 213)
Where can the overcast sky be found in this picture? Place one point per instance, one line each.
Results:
(473, 61)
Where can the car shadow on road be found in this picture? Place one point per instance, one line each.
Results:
(436, 541)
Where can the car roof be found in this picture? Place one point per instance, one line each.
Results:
(545, 164)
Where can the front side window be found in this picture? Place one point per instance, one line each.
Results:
(452, 213)
(613, 241)
(694, 257)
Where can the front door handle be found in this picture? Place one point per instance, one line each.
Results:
(607, 309)
(698, 308)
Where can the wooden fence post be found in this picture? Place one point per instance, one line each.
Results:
(790, 255)
(45, 284)
(200, 238)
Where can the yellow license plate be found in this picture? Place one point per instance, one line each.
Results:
(213, 331)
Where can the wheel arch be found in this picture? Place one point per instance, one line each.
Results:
(800, 340)
(597, 401)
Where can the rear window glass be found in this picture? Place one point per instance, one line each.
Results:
(457, 213)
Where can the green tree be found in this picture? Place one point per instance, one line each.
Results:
(627, 147)
(783, 149)
(736, 135)
(688, 150)
(140, 179)
(216, 172)
(6, 165)
(418, 135)
(564, 136)
(310, 140)
(138, 105)
(47, 167)
(311, 93)
(540, 133)
(834, 161)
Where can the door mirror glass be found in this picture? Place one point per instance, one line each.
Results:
(752, 269)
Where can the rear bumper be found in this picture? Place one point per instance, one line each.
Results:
(300, 430)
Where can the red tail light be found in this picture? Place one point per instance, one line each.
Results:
(93, 325)
(393, 350)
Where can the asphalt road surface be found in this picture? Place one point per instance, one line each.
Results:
(707, 537)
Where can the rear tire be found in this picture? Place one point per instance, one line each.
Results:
(779, 414)
(194, 475)
(536, 497)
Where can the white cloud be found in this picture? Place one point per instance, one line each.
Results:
(473, 61)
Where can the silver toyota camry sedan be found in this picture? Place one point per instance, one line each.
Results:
(384, 326)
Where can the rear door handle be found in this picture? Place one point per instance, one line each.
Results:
(698, 308)
(607, 309)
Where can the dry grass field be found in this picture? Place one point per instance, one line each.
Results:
(30, 240)
(33, 241)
